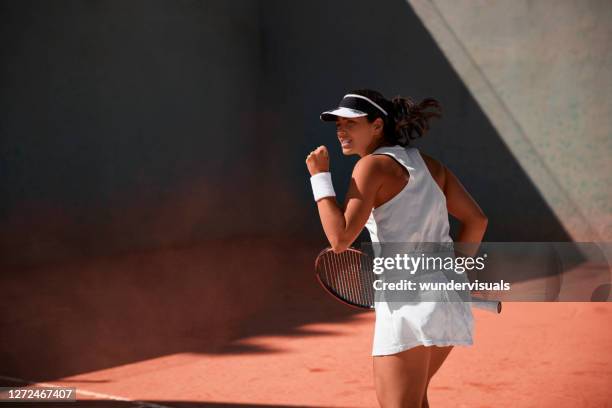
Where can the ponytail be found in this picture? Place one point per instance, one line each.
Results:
(411, 120)
(406, 119)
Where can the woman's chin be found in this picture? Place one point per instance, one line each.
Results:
(347, 150)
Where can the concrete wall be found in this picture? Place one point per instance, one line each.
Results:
(540, 71)
(136, 125)
(127, 126)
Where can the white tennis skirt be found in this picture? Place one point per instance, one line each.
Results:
(400, 326)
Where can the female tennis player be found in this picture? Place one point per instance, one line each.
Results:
(400, 195)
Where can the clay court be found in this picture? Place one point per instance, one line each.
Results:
(125, 341)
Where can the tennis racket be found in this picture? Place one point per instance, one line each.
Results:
(349, 278)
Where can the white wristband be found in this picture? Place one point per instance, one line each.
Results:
(322, 185)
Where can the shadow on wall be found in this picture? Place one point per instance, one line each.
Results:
(359, 44)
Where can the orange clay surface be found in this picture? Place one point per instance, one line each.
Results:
(532, 355)
(301, 348)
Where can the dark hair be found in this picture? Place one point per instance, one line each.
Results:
(406, 120)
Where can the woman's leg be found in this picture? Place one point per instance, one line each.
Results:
(401, 379)
(438, 355)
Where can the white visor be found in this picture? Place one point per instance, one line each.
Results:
(329, 116)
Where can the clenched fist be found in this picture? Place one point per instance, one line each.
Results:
(318, 160)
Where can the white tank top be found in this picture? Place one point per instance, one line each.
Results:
(418, 213)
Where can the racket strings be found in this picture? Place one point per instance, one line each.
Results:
(348, 275)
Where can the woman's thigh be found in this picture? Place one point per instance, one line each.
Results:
(438, 355)
(401, 379)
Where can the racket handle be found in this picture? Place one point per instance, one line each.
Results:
(493, 306)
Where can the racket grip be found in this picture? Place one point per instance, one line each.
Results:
(493, 306)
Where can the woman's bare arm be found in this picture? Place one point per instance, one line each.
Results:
(342, 226)
(462, 206)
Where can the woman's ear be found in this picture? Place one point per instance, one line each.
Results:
(378, 125)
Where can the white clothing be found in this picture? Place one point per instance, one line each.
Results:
(416, 214)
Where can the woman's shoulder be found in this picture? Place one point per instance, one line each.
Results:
(376, 166)
(370, 163)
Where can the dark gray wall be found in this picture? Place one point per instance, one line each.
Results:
(130, 125)
(127, 125)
